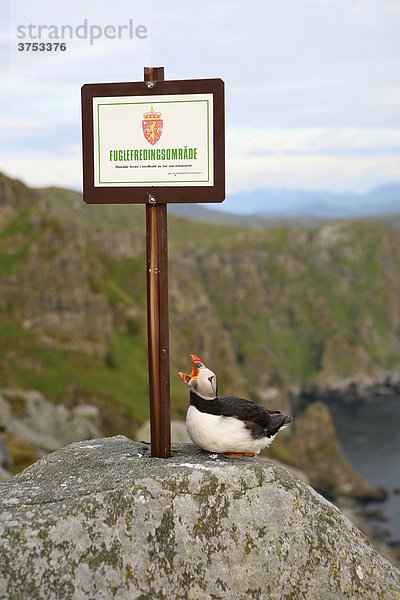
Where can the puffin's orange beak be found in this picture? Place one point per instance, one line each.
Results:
(197, 365)
(184, 377)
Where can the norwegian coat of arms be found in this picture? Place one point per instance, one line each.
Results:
(152, 126)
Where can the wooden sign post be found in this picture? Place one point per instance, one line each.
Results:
(154, 142)
(157, 315)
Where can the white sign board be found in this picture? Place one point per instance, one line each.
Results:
(165, 140)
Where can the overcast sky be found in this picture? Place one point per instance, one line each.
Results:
(312, 86)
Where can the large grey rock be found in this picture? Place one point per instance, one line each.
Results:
(6, 459)
(178, 432)
(29, 418)
(4, 475)
(102, 519)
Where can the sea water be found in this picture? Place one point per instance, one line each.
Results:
(370, 438)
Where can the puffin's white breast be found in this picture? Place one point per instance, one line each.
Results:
(221, 434)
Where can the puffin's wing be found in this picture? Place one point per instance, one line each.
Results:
(260, 420)
(245, 411)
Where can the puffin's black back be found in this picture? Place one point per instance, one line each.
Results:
(261, 421)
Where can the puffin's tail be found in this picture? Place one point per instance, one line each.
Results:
(276, 422)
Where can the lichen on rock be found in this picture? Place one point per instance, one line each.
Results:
(103, 519)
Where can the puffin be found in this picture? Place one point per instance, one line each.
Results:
(227, 425)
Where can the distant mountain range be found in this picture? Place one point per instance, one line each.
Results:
(277, 203)
(307, 210)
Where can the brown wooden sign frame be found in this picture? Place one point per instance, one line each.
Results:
(162, 194)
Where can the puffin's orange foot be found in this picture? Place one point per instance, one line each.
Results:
(239, 453)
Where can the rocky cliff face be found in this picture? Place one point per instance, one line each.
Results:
(316, 450)
(31, 426)
(101, 519)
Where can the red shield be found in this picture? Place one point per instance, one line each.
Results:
(152, 126)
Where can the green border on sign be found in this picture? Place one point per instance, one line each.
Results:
(153, 180)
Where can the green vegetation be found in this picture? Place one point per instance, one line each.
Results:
(122, 386)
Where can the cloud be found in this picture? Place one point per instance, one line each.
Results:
(312, 173)
(347, 159)
(19, 123)
(22, 136)
(291, 85)
(313, 139)
(42, 169)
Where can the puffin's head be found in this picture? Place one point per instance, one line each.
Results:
(202, 380)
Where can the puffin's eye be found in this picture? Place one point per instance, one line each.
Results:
(211, 378)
